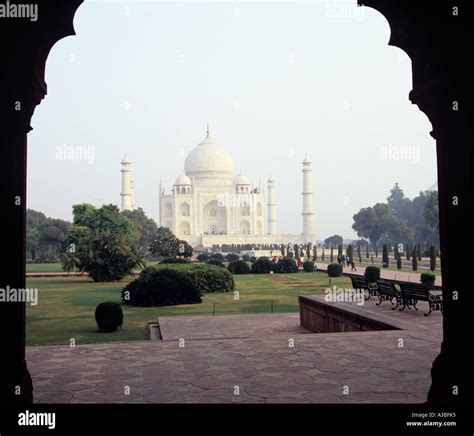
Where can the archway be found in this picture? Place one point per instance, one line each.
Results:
(435, 88)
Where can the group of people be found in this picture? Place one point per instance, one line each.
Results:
(346, 261)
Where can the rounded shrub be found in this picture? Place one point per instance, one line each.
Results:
(246, 257)
(286, 266)
(253, 259)
(218, 256)
(231, 256)
(239, 267)
(203, 257)
(215, 262)
(372, 273)
(162, 287)
(109, 316)
(174, 260)
(262, 265)
(211, 278)
(428, 279)
(309, 266)
(334, 270)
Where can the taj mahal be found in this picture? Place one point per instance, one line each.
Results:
(210, 205)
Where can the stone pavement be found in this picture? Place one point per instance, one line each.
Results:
(247, 359)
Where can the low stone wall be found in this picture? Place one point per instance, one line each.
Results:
(320, 316)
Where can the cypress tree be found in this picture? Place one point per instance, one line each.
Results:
(332, 254)
(358, 252)
(408, 249)
(349, 251)
(315, 253)
(339, 250)
(322, 255)
(432, 258)
(414, 260)
(385, 256)
(418, 251)
(399, 262)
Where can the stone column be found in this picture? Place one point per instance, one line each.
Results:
(272, 216)
(308, 215)
(127, 193)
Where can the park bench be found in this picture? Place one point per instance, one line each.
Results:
(360, 282)
(388, 292)
(411, 293)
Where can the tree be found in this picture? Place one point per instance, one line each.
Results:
(375, 222)
(308, 250)
(168, 245)
(430, 224)
(385, 256)
(333, 240)
(432, 258)
(332, 253)
(350, 251)
(339, 250)
(145, 227)
(104, 243)
(315, 254)
(414, 259)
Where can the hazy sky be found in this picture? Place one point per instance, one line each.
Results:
(275, 81)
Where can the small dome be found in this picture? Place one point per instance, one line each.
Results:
(271, 179)
(182, 179)
(241, 180)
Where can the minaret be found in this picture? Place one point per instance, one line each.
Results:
(272, 218)
(132, 193)
(126, 193)
(308, 215)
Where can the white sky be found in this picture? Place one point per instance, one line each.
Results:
(275, 80)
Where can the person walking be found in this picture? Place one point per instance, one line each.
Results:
(353, 266)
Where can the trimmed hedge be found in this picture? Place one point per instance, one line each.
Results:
(164, 286)
(203, 257)
(262, 265)
(246, 257)
(174, 260)
(285, 266)
(109, 316)
(218, 256)
(309, 266)
(428, 279)
(206, 278)
(253, 259)
(372, 273)
(334, 270)
(239, 267)
(232, 256)
(215, 262)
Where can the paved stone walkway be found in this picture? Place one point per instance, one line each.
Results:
(247, 359)
(388, 274)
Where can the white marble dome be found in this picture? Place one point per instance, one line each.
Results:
(240, 179)
(209, 159)
(182, 179)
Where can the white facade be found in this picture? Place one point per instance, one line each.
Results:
(209, 205)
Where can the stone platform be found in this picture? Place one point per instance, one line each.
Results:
(247, 359)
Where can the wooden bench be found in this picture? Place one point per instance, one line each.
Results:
(360, 282)
(411, 293)
(388, 292)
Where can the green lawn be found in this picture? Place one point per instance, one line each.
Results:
(43, 267)
(66, 305)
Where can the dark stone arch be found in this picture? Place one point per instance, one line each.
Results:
(441, 75)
